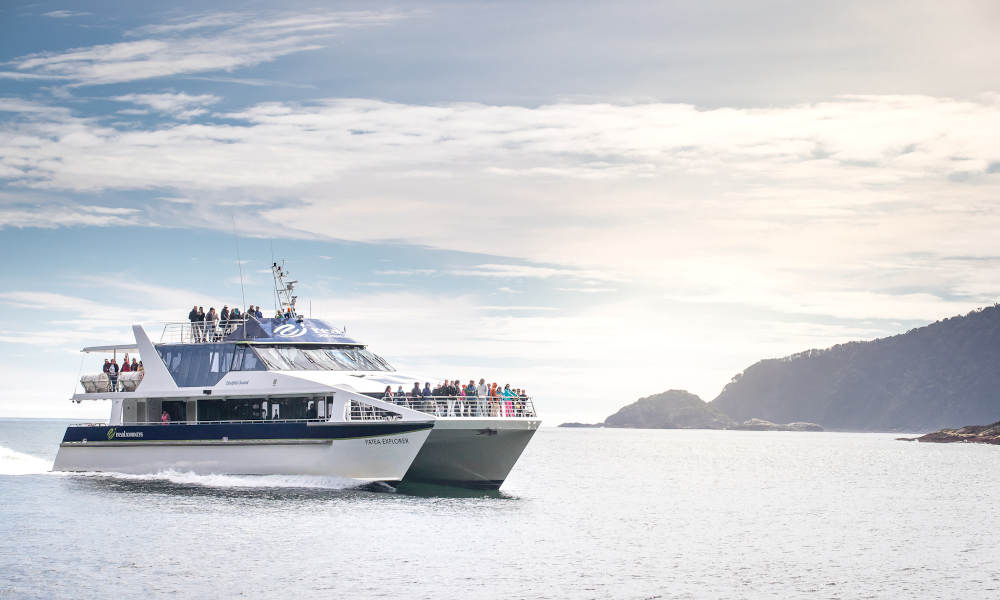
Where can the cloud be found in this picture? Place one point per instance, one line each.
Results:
(201, 44)
(403, 272)
(65, 14)
(796, 207)
(51, 215)
(508, 271)
(179, 105)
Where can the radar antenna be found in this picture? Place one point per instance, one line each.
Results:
(284, 290)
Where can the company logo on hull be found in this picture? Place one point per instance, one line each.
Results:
(114, 434)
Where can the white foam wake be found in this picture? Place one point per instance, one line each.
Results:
(13, 462)
(236, 481)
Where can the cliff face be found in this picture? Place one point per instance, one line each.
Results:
(674, 409)
(941, 375)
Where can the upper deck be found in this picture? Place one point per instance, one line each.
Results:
(295, 330)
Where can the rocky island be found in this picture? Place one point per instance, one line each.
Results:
(980, 434)
(679, 409)
(673, 409)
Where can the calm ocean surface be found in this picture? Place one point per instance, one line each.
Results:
(585, 514)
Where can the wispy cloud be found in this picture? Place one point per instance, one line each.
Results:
(201, 44)
(51, 215)
(512, 271)
(179, 105)
(406, 272)
(65, 14)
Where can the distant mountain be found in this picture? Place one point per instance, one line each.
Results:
(946, 374)
(674, 409)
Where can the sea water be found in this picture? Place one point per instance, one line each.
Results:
(584, 514)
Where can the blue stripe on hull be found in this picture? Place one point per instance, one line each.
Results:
(237, 431)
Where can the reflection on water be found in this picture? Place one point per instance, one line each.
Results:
(430, 490)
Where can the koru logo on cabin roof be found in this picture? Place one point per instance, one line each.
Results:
(290, 330)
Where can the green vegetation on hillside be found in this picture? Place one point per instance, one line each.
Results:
(946, 374)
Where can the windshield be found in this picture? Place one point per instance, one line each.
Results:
(291, 358)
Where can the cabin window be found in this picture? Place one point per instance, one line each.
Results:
(292, 358)
(255, 409)
(195, 366)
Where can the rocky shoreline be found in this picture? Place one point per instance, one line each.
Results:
(979, 434)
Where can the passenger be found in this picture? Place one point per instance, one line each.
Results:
(107, 365)
(236, 315)
(494, 401)
(439, 399)
(454, 390)
(164, 417)
(211, 322)
(135, 366)
(257, 313)
(400, 396)
(415, 395)
(508, 396)
(141, 369)
(193, 317)
(113, 376)
(224, 317)
(426, 397)
(125, 366)
(482, 393)
(470, 398)
(200, 326)
(387, 396)
(524, 402)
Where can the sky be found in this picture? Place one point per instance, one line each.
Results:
(592, 201)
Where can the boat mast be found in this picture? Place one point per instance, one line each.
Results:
(283, 289)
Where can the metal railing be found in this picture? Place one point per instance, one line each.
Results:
(359, 411)
(199, 332)
(125, 381)
(447, 406)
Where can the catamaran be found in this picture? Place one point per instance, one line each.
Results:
(287, 395)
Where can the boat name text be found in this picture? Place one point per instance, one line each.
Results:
(387, 441)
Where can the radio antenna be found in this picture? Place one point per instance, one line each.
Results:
(239, 264)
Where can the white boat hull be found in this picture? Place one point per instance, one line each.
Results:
(382, 458)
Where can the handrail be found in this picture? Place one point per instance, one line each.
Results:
(124, 381)
(450, 406)
(199, 332)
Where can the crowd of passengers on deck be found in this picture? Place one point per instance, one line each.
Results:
(212, 326)
(112, 370)
(455, 399)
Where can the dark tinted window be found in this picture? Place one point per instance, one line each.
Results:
(197, 365)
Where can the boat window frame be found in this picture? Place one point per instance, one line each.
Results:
(326, 357)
